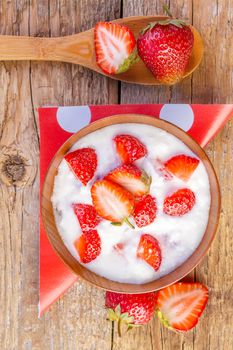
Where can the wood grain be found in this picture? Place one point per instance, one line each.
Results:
(77, 321)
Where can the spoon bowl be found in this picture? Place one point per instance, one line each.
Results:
(79, 49)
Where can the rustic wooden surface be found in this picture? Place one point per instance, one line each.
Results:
(77, 321)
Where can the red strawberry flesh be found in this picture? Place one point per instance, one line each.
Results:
(88, 246)
(182, 166)
(179, 203)
(111, 201)
(131, 178)
(86, 215)
(129, 148)
(180, 305)
(114, 47)
(149, 250)
(145, 210)
(83, 163)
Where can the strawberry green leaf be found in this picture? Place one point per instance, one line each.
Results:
(116, 223)
(128, 62)
(126, 220)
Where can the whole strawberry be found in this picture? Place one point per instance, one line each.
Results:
(130, 309)
(165, 47)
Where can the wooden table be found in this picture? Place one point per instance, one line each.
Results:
(77, 321)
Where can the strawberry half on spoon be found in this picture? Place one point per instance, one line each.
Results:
(115, 47)
(180, 305)
(165, 47)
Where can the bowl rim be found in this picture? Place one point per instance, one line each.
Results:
(181, 271)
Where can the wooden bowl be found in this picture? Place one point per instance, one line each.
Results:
(98, 281)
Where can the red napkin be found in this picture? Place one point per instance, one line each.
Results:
(57, 124)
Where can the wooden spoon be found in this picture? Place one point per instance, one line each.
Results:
(79, 49)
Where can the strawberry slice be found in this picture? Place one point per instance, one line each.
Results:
(88, 246)
(181, 304)
(149, 250)
(179, 203)
(115, 47)
(182, 166)
(129, 148)
(112, 202)
(87, 216)
(131, 178)
(83, 163)
(145, 210)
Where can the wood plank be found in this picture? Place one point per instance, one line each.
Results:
(18, 186)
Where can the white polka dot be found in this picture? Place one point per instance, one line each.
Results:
(72, 119)
(178, 114)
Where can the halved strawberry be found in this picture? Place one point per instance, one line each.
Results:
(115, 47)
(88, 246)
(145, 210)
(131, 178)
(83, 163)
(181, 304)
(111, 201)
(149, 250)
(182, 166)
(129, 148)
(87, 216)
(179, 203)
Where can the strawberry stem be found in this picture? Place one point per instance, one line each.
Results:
(119, 327)
(126, 220)
(116, 223)
(167, 11)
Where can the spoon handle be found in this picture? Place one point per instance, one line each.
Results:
(74, 48)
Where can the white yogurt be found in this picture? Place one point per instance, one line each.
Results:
(178, 236)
